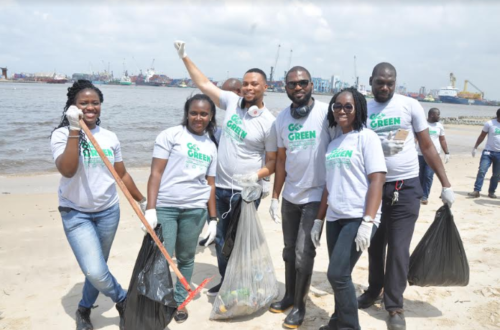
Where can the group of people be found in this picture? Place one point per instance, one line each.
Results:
(351, 162)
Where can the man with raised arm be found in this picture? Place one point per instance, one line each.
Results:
(247, 135)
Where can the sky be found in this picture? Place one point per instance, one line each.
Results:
(424, 40)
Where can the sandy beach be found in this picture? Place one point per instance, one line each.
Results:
(40, 281)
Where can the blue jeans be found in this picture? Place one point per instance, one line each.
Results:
(488, 158)
(180, 229)
(91, 236)
(340, 235)
(426, 176)
(224, 202)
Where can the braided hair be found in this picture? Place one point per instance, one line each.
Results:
(212, 125)
(73, 91)
(360, 107)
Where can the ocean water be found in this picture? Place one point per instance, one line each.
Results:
(137, 114)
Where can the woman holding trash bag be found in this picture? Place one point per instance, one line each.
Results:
(88, 200)
(355, 174)
(182, 185)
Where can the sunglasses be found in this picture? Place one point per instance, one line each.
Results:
(302, 83)
(348, 107)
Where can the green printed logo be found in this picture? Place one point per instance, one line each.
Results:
(234, 130)
(497, 131)
(196, 159)
(294, 127)
(339, 157)
(433, 132)
(92, 159)
(300, 139)
(379, 122)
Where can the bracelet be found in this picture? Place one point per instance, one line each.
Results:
(73, 137)
(213, 219)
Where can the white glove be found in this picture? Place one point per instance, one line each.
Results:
(448, 196)
(274, 210)
(446, 158)
(142, 204)
(246, 179)
(211, 232)
(391, 146)
(180, 47)
(150, 216)
(474, 152)
(364, 235)
(74, 115)
(316, 232)
(266, 188)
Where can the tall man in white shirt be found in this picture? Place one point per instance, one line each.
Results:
(490, 156)
(397, 120)
(303, 137)
(436, 131)
(247, 135)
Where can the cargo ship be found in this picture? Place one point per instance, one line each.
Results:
(451, 94)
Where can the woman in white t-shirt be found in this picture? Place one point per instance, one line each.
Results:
(355, 175)
(88, 200)
(182, 185)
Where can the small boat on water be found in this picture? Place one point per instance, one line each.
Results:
(182, 85)
(57, 79)
(126, 81)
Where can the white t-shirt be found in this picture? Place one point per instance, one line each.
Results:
(92, 188)
(492, 127)
(190, 158)
(350, 158)
(399, 112)
(305, 140)
(435, 131)
(243, 142)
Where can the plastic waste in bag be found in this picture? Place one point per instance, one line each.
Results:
(249, 283)
(150, 299)
(439, 259)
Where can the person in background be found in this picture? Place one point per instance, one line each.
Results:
(182, 185)
(426, 174)
(490, 156)
(398, 120)
(247, 134)
(355, 176)
(88, 200)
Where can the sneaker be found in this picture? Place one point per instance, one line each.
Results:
(492, 195)
(181, 315)
(474, 194)
(424, 201)
(396, 321)
(83, 319)
(366, 300)
(120, 307)
(214, 291)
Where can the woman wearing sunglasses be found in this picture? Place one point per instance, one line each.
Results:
(355, 174)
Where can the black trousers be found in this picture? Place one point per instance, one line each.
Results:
(395, 232)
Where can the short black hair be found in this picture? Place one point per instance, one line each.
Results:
(295, 69)
(498, 113)
(382, 66)
(433, 110)
(259, 71)
(360, 107)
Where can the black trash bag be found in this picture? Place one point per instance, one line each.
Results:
(150, 298)
(439, 259)
(232, 227)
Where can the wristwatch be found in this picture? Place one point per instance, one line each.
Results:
(368, 219)
(213, 219)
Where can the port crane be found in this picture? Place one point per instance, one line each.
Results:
(452, 80)
(273, 68)
(470, 95)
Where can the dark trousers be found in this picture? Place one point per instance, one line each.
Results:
(426, 176)
(340, 235)
(298, 221)
(395, 232)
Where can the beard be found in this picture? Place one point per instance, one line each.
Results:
(300, 102)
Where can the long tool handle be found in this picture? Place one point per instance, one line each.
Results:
(134, 205)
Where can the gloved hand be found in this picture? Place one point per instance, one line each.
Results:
(474, 152)
(391, 146)
(266, 188)
(150, 216)
(274, 210)
(446, 158)
(211, 232)
(180, 47)
(448, 196)
(74, 115)
(246, 179)
(364, 235)
(142, 204)
(316, 232)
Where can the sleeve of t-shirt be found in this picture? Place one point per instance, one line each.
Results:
(441, 130)
(117, 150)
(226, 97)
(277, 128)
(373, 153)
(163, 144)
(419, 122)
(213, 164)
(486, 127)
(271, 144)
(58, 142)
